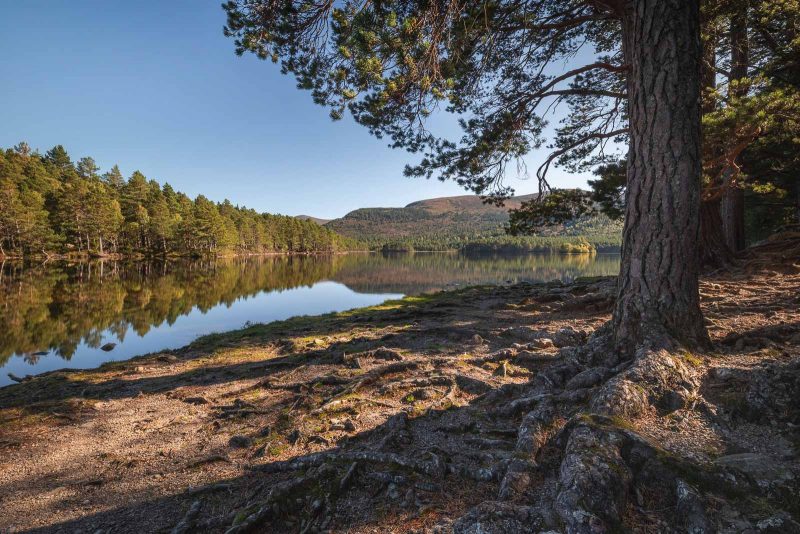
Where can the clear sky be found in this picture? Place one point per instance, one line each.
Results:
(155, 86)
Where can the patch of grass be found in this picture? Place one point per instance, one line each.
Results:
(276, 448)
(621, 422)
(691, 359)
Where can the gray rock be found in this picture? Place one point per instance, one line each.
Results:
(691, 509)
(108, 347)
(766, 471)
(542, 343)
(779, 523)
(524, 333)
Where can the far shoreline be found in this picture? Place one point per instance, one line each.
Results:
(84, 257)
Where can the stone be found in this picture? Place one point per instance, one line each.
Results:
(382, 353)
(690, 508)
(542, 343)
(765, 470)
(524, 333)
(108, 347)
(781, 523)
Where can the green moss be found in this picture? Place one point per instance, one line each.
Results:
(276, 448)
(621, 422)
(692, 359)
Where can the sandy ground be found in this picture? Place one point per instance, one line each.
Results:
(131, 446)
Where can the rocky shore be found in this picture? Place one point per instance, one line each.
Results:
(488, 409)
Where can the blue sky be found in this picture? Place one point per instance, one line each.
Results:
(155, 86)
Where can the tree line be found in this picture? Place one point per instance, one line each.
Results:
(51, 205)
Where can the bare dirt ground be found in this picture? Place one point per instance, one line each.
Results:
(398, 418)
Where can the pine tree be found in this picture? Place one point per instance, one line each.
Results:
(59, 159)
(87, 168)
(391, 64)
(114, 179)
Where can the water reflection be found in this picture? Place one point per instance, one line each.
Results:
(71, 310)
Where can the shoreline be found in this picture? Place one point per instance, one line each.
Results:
(227, 415)
(86, 258)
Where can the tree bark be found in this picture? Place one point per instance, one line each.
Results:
(797, 202)
(658, 287)
(714, 251)
(732, 213)
(732, 206)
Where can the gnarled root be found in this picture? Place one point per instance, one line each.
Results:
(655, 378)
(601, 469)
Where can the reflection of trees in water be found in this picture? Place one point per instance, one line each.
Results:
(420, 272)
(57, 306)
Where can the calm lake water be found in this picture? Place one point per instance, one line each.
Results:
(60, 315)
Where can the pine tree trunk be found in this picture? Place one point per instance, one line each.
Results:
(732, 212)
(658, 294)
(732, 207)
(797, 200)
(714, 252)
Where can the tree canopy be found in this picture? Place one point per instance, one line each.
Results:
(626, 70)
(50, 205)
(751, 106)
(494, 64)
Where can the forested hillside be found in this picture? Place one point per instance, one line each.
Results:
(465, 222)
(49, 205)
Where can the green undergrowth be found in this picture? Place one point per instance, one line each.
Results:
(308, 327)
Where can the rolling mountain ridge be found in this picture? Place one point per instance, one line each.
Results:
(454, 222)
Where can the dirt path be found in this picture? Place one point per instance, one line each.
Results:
(411, 401)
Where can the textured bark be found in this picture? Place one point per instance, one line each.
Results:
(658, 287)
(732, 214)
(714, 251)
(732, 206)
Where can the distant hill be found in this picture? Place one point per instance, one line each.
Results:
(468, 204)
(454, 222)
(317, 220)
